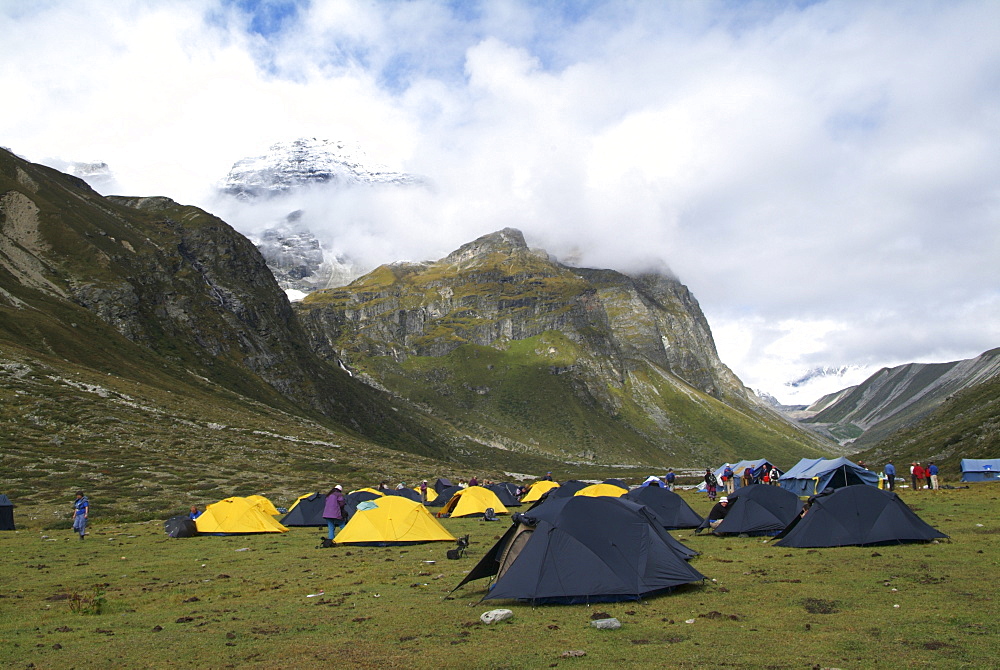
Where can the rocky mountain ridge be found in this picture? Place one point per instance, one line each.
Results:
(632, 349)
(894, 398)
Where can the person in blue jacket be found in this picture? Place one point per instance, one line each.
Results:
(890, 476)
(81, 511)
(932, 476)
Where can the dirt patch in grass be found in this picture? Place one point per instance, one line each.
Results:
(819, 606)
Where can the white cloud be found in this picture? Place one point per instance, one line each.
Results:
(823, 178)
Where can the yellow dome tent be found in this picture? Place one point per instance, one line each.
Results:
(392, 520)
(602, 490)
(234, 516)
(472, 501)
(263, 504)
(431, 493)
(538, 489)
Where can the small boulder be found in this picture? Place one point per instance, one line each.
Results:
(607, 624)
(494, 616)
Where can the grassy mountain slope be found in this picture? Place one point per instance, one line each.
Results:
(966, 425)
(581, 365)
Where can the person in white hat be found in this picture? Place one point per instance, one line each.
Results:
(718, 513)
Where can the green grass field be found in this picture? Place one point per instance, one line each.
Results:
(243, 601)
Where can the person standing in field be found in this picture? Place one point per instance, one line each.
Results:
(81, 512)
(918, 476)
(711, 483)
(932, 476)
(423, 492)
(333, 510)
(890, 476)
(728, 478)
(670, 478)
(913, 475)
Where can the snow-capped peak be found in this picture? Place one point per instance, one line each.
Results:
(307, 161)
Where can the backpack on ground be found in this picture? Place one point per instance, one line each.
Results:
(458, 551)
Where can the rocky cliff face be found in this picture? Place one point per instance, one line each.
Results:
(631, 348)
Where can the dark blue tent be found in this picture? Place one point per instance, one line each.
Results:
(671, 509)
(504, 495)
(567, 489)
(585, 550)
(814, 475)
(180, 526)
(6, 513)
(355, 498)
(308, 511)
(758, 509)
(857, 515)
(444, 495)
(980, 469)
(441, 484)
(409, 494)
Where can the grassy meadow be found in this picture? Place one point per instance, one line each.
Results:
(244, 601)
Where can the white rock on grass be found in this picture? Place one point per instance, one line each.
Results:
(495, 615)
(607, 624)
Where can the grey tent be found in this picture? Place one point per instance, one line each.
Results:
(6, 513)
(584, 549)
(857, 515)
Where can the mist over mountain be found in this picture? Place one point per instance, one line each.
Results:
(307, 205)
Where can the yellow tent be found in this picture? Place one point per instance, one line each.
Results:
(392, 520)
(431, 493)
(599, 490)
(538, 489)
(236, 515)
(472, 501)
(263, 504)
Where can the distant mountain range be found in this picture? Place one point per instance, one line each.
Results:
(895, 398)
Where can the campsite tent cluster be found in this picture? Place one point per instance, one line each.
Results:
(578, 542)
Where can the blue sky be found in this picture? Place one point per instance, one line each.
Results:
(822, 175)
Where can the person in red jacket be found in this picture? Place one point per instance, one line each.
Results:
(918, 476)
